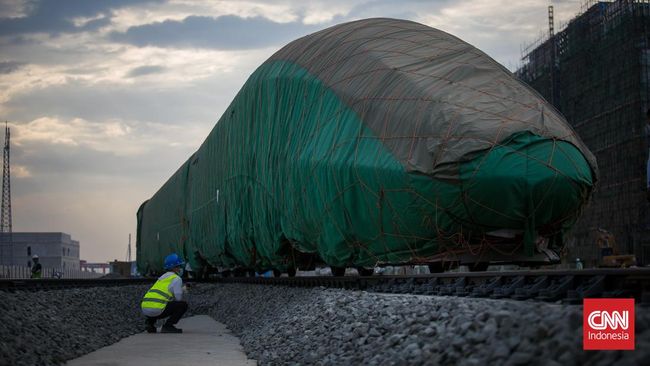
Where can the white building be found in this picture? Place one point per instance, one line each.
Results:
(55, 250)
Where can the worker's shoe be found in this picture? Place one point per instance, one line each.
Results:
(150, 325)
(170, 329)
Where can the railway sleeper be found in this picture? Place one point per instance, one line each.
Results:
(557, 289)
(530, 290)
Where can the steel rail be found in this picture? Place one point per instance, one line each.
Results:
(567, 286)
(63, 283)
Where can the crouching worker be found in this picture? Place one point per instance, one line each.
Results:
(164, 298)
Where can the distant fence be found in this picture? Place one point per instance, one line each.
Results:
(26, 272)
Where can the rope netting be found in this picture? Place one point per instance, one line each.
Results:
(376, 141)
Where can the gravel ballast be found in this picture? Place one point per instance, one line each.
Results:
(50, 327)
(283, 325)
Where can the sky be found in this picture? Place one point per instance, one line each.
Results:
(106, 99)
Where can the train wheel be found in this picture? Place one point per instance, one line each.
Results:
(365, 271)
(291, 271)
(478, 267)
(437, 267)
(338, 271)
(239, 273)
(440, 267)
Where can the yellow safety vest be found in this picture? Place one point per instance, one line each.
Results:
(158, 295)
(36, 274)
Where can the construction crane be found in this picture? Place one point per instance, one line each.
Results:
(551, 39)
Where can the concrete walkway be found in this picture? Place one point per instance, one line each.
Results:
(204, 342)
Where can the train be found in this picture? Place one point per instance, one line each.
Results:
(372, 143)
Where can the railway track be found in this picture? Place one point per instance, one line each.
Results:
(57, 284)
(568, 286)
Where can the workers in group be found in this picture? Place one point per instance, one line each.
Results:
(36, 268)
(164, 298)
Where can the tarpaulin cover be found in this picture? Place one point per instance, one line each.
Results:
(379, 140)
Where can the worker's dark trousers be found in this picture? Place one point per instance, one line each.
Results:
(174, 310)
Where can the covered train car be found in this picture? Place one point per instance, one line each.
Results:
(373, 142)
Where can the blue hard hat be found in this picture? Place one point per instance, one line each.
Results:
(173, 260)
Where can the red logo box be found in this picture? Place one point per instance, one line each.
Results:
(608, 324)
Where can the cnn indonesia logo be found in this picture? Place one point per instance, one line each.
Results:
(608, 324)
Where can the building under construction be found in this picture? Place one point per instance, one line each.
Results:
(595, 71)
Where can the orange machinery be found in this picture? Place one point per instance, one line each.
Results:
(609, 252)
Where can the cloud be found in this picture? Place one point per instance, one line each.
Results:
(283, 11)
(145, 70)
(228, 32)
(61, 69)
(73, 133)
(104, 101)
(407, 9)
(61, 16)
(195, 87)
(19, 171)
(497, 27)
(115, 137)
(7, 67)
(14, 8)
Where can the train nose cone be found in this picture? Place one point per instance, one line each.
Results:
(527, 183)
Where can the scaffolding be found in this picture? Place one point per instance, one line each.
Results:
(595, 71)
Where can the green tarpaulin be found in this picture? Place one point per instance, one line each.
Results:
(375, 141)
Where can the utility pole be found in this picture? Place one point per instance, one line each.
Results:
(128, 250)
(5, 220)
(5, 211)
